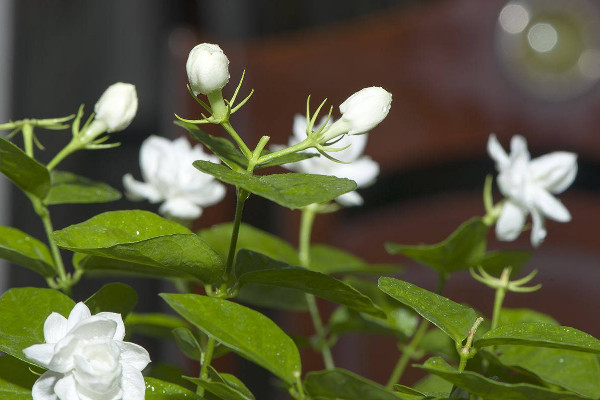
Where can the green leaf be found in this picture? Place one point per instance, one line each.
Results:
(153, 324)
(114, 297)
(23, 312)
(510, 316)
(452, 318)
(331, 260)
(495, 261)
(221, 390)
(68, 188)
(463, 249)
(288, 190)
(20, 248)
(145, 238)
(433, 386)
(263, 295)
(161, 390)
(490, 389)
(187, 343)
(251, 238)
(245, 331)
(252, 267)
(409, 392)
(221, 147)
(103, 266)
(540, 335)
(342, 384)
(16, 379)
(29, 175)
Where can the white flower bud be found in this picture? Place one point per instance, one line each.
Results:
(207, 68)
(116, 107)
(365, 109)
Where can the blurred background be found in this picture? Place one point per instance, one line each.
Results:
(458, 70)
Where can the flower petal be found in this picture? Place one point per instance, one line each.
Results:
(538, 231)
(55, 328)
(120, 332)
(550, 206)
(555, 171)
(136, 190)
(43, 388)
(497, 153)
(363, 171)
(40, 353)
(79, 313)
(181, 208)
(134, 355)
(132, 384)
(518, 148)
(66, 388)
(212, 193)
(152, 151)
(299, 128)
(350, 199)
(95, 327)
(511, 221)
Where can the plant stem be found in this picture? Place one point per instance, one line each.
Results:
(498, 300)
(232, 132)
(308, 218)
(305, 144)
(242, 196)
(206, 360)
(68, 149)
(407, 354)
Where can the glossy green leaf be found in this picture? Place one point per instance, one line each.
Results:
(463, 249)
(540, 335)
(331, 260)
(410, 393)
(252, 267)
(251, 238)
(16, 379)
(495, 261)
(68, 188)
(29, 175)
(114, 297)
(237, 384)
(245, 331)
(187, 343)
(452, 318)
(493, 390)
(22, 249)
(342, 384)
(510, 316)
(288, 190)
(104, 266)
(221, 390)
(23, 312)
(223, 148)
(153, 324)
(344, 320)
(161, 390)
(263, 295)
(433, 386)
(144, 238)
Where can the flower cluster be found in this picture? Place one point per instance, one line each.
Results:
(170, 178)
(527, 185)
(87, 359)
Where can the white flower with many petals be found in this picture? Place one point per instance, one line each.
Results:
(87, 359)
(527, 185)
(170, 178)
(207, 68)
(361, 169)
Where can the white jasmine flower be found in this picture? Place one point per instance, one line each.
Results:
(170, 178)
(361, 112)
(527, 185)
(207, 68)
(117, 107)
(87, 359)
(362, 169)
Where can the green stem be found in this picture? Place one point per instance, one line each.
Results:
(232, 132)
(242, 196)
(308, 218)
(206, 360)
(28, 139)
(67, 150)
(407, 354)
(499, 299)
(305, 144)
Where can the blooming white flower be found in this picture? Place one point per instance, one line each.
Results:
(361, 112)
(207, 68)
(170, 178)
(87, 359)
(362, 169)
(528, 184)
(116, 107)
